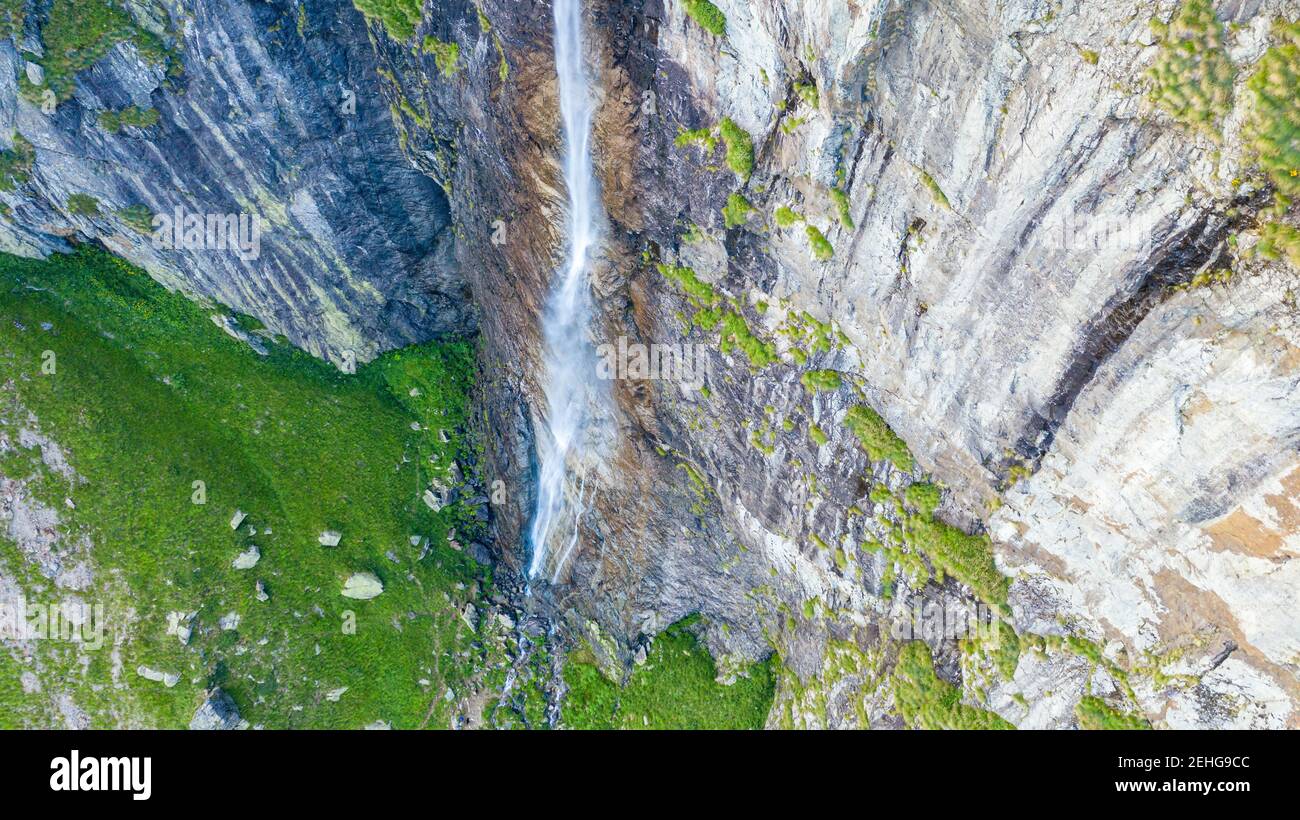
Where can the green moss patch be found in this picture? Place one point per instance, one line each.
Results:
(707, 16)
(399, 17)
(736, 212)
(1095, 713)
(878, 438)
(1192, 77)
(1273, 125)
(740, 148)
(150, 397)
(133, 116)
(926, 701)
(675, 688)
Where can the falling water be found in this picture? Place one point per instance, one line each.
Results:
(571, 387)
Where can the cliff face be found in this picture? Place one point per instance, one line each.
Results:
(1012, 282)
(1014, 287)
(260, 110)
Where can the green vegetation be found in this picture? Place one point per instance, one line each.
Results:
(708, 16)
(736, 334)
(808, 93)
(923, 497)
(817, 435)
(940, 198)
(816, 380)
(968, 558)
(926, 701)
(876, 437)
(1273, 124)
(841, 201)
(736, 212)
(1277, 240)
(16, 163)
(740, 148)
(1089, 56)
(703, 137)
(785, 217)
(399, 17)
(734, 330)
(12, 15)
(821, 247)
(138, 217)
(150, 397)
(112, 121)
(674, 689)
(83, 205)
(445, 55)
(77, 33)
(1192, 75)
(1095, 713)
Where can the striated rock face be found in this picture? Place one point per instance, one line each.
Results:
(273, 115)
(1004, 291)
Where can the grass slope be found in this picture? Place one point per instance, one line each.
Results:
(674, 689)
(150, 396)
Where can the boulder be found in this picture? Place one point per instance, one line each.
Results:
(248, 558)
(237, 519)
(362, 586)
(217, 712)
(330, 538)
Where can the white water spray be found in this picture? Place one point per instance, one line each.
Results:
(572, 390)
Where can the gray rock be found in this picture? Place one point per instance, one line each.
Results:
(362, 586)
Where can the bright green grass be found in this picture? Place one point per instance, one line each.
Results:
(1273, 126)
(736, 212)
(877, 437)
(821, 247)
(78, 33)
(926, 701)
(740, 147)
(674, 689)
(708, 16)
(149, 397)
(1095, 713)
(1192, 75)
(399, 17)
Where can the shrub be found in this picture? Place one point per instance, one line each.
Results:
(877, 438)
(818, 380)
(821, 246)
(138, 217)
(708, 16)
(112, 121)
(785, 217)
(1273, 126)
(16, 163)
(740, 147)
(399, 17)
(1192, 75)
(83, 205)
(1277, 239)
(445, 55)
(736, 211)
(841, 201)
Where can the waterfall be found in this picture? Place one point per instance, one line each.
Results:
(571, 387)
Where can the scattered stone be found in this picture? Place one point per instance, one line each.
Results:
(415, 540)
(392, 556)
(334, 694)
(237, 519)
(230, 621)
(68, 503)
(330, 538)
(261, 592)
(639, 657)
(379, 725)
(506, 621)
(35, 74)
(434, 502)
(470, 616)
(167, 679)
(415, 425)
(217, 712)
(178, 624)
(362, 586)
(248, 558)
